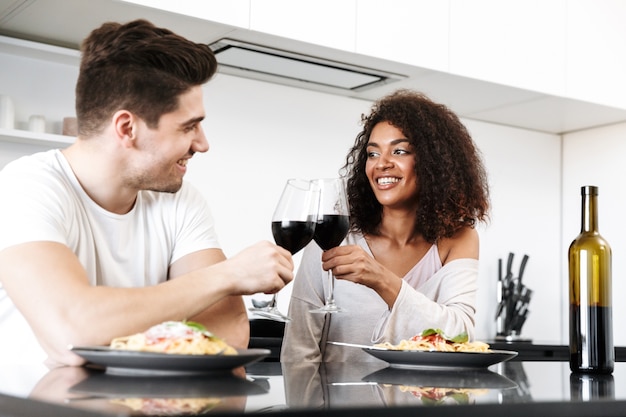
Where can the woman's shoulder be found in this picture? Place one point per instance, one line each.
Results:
(463, 244)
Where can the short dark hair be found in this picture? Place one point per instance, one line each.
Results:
(138, 67)
(453, 189)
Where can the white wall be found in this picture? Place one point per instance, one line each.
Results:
(524, 173)
(260, 135)
(598, 157)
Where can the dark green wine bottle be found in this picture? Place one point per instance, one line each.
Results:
(590, 315)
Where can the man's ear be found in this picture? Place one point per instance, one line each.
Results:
(125, 124)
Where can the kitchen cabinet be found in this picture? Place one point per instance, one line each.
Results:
(408, 31)
(328, 23)
(518, 66)
(516, 43)
(228, 12)
(596, 62)
(564, 48)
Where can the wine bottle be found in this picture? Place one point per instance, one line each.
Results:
(590, 316)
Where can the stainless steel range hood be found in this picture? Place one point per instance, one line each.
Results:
(269, 64)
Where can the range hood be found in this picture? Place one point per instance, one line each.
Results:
(269, 64)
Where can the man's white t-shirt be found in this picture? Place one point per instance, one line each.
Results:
(42, 200)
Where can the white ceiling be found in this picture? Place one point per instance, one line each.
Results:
(66, 22)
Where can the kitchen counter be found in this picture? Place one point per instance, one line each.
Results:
(268, 334)
(545, 351)
(513, 388)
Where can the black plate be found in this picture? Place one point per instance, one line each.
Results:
(441, 360)
(124, 362)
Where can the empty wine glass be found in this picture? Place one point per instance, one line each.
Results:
(293, 225)
(333, 224)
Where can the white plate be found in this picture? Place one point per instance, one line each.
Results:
(124, 362)
(440, 360)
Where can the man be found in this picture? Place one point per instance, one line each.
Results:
(104, 238)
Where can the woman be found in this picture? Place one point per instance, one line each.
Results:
(417, 188)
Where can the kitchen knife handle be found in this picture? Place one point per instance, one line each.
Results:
(522, 267)
(509, 264)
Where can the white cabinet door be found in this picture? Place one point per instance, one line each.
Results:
(329, 23)
(596, 61)
(414, 32)
(229, 12)
(520, 43)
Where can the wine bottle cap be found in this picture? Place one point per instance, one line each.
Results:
(589, 190)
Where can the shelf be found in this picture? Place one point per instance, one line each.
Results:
(24, 136)
(36, 50)
(48, 53)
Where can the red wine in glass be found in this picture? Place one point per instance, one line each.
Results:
(331, 230)
(293, 226)
(333, 224)
(293, 235)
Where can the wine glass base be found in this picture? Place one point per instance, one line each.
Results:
(328, 309)
(272, 314)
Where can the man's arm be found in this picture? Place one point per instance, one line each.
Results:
(50, 288)
(227, 318)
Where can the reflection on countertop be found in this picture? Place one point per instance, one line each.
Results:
(274, 388)
(98, 391)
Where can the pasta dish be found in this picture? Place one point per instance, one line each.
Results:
(188, 338)
(169, 406)
(436, 340)
(437, 396)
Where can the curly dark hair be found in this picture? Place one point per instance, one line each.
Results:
(453, 188)
(138, 67)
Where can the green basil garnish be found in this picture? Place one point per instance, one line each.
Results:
(460, 338)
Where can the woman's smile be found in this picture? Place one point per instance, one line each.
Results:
(382, 181)
(390, 166)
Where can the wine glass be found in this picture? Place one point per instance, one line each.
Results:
(333, 224)
(293, 225)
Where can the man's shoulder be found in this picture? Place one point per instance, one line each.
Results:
(46, 162)
(37, 177)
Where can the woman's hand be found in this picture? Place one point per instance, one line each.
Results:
(352, 263)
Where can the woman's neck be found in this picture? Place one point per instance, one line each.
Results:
(398, 226)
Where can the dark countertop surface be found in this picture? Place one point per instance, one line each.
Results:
(268, 334)
(513, 388)
(545, 351)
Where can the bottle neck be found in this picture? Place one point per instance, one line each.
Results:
(589, 212)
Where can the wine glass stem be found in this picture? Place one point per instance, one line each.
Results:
(330, 299)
